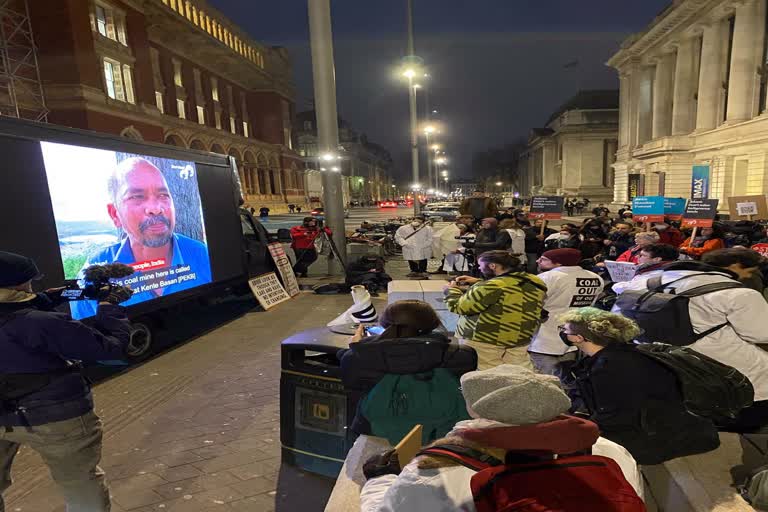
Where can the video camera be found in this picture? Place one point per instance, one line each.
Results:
(98, 285)
(467, 241)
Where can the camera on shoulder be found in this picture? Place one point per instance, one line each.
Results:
(98, 284)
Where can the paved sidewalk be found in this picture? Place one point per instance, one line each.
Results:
(197, 428)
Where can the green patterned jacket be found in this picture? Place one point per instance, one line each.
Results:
(504, 310)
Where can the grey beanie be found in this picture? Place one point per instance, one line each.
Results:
(514, 395)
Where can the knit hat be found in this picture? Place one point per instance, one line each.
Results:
(565, 257)
(513, 395)
(16, 270)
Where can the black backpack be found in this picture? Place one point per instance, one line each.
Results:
(710, 388)
(664, 317)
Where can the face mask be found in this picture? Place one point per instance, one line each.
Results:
(564, 336)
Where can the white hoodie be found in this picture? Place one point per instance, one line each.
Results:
(746, 312)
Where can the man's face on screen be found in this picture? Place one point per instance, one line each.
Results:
(143, 205)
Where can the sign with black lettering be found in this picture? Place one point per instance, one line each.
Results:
(284, 267)
(700, 213)
(587, 290)
(547, 207)
(268, 290)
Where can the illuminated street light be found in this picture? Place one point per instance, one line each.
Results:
(429, 129)
(328, 157)
(409, 73)
(498, 183)
(335, 169)
(445, 173)
(430, 191)
(416, 186)
(436, 147)
(441, 161)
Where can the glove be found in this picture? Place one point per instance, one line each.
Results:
(381, 464)
(115, 294)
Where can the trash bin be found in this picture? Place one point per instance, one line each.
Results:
(315, 410)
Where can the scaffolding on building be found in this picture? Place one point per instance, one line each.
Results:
(21, 90)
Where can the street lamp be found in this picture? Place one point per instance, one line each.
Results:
(498, 183)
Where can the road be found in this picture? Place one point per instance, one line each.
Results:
(356, 217)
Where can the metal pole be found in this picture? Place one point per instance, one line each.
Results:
(414, 115)
(324, 77)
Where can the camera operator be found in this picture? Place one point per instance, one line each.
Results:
(45, 403)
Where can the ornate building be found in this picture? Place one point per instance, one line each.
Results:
(573, 154)
(693, 92)
(366, 167)
(175, 72)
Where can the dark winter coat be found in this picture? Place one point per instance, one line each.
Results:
(532, 244)
(34, 340)
(366, 362)
(492, 240)
(637, 403)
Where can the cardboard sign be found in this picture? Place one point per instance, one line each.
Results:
(284, 267)
(761, 248)
(547, 207)
(409, 446)
(700, 182)
(674, 207)
(700, 213)
(621, 271)
(648, 209)
(744, 207)
(268, 290)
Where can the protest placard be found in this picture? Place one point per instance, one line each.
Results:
(268, 290)
(747, 207)
(284, 267)
(648, 209)
(621, 271)
(547, 207)
(700, 213)
(674, 207)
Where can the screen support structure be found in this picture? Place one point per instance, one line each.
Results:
(21, 90)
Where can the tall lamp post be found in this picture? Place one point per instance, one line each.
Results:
(412, 62)
(324, 78)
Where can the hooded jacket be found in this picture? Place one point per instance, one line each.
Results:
(424, 485)
(742, 308)
(636, 402)
(366, 362)
(36, 340)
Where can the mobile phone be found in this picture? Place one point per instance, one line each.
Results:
(373, 330)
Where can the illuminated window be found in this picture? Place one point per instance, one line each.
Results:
(118, 79)
(232, 125)
(189, 10)
(110, 23)
(101, 20)
(217, 117)
(159, 102)
(173, 4)
(177, 78)
(181, 107)
(245, 128)
(214, 88)
(128, 80)
(200, 115)
(194, 16)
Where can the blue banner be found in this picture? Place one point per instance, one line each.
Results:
(648, 209)
(700, 182)
(674, 206)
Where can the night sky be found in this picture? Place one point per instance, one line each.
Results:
(497, 65)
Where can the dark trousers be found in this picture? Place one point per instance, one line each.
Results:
(751, 419)
(304, 258)
(418, 266)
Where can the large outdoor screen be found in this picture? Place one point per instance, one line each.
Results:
(140, 210)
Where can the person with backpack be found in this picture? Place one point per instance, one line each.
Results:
(724, 321)
(498, 316)
(568, 286)
(45, 402)
(303, 244)
(635, 401)
(408, 374)
(746, 263)
(519, 448)
(651, 261)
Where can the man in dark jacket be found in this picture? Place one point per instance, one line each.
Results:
(534, 243)
(44, 401)
(634, 400)
(620, 241)
(478, 206)
(491, 238)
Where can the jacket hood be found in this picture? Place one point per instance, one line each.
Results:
(698, 266)
(15, 296)
(562, 435)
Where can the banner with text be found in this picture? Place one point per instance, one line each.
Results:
(700, 213)
(700, 182)
(284, 267)
(268, 290)
(748, 207)
(648, 209)
(547, 207)
(674, 207)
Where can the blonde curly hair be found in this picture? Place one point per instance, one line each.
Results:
(601, 327)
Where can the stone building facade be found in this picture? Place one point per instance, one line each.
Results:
(366, 167)
(175, 72)
(693, 92)
(574, 153)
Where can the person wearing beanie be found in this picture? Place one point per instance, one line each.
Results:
(517, 416)
(635, 400)
(45, 403)
(569, 286)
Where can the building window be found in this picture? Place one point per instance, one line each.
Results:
(110, 23)
(200, 115)
(181, 109)
(217, 117)
(214, 88)
(245, 128)
(119, 81)
(232, 125)
(159, 101)
(177, 78)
